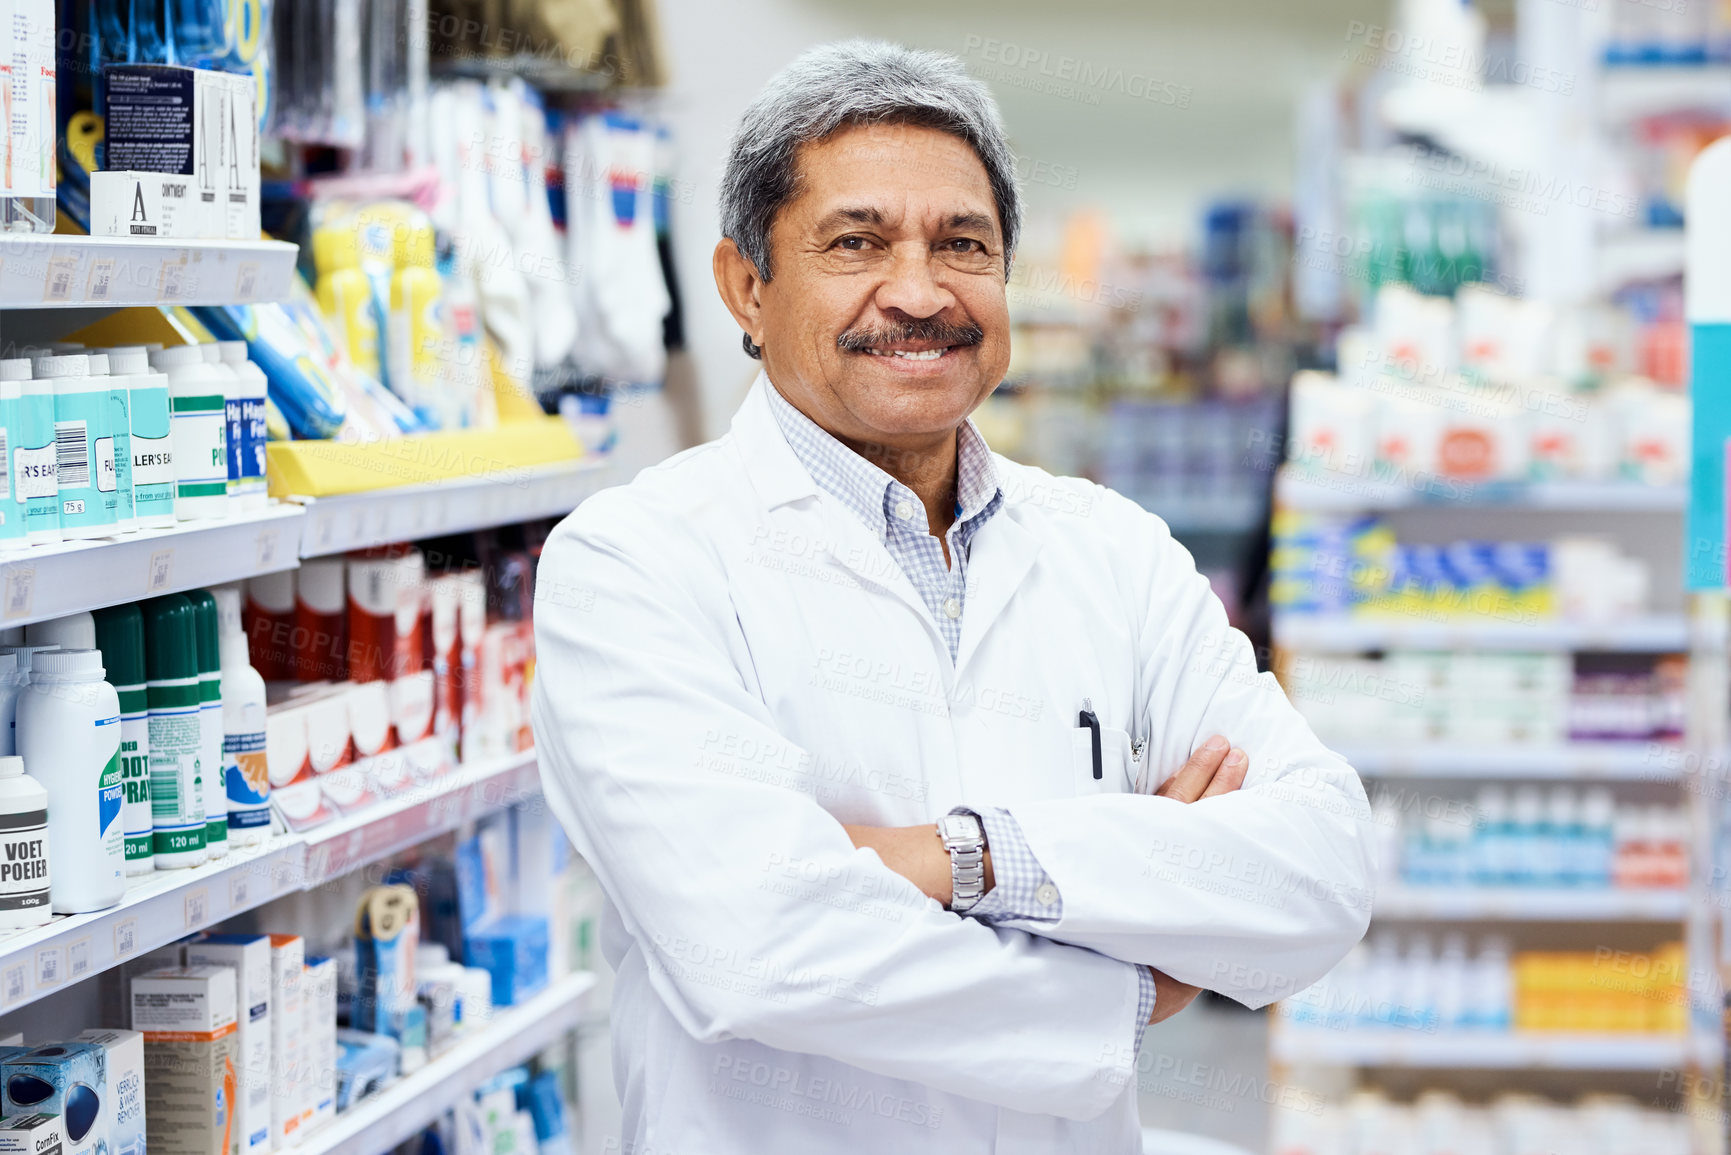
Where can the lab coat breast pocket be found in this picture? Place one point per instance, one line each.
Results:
(1115, 769)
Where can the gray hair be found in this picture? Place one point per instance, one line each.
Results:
(855, 82)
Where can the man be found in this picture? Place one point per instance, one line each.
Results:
(905, 768)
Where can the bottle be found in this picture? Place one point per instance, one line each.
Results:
(171, 688)
(321, 621)
(1563, 817)
(104, 465)
(270, 620)
(14, 534)
(1452, 994)
(254, 387)
(196, 403)
(119, 373)
(209, 656)
(80, 431)
(1492, 844)
(36, 469)
(24, 875)
(10, 686)
(27, 200)
(231, 419)
(120, 637)
(1598, 842)
(72, 632)
(1491, 986)
(151, 440)
(69, 727)
(244, 769)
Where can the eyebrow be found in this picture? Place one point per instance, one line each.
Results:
(870, 215)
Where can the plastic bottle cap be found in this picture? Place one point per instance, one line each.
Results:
(211, 354)
(8, 664)
(232, 352)
(170, 638)
(122, 362)
(15, 369)
(70, 365)
(175, 356)
(274, 591)
(25, 655)
(59, 665)
(228, 621)
(209, 652)
(11, 766)
(320, 585)
(66, 346)
(98, 364)
(120, 637)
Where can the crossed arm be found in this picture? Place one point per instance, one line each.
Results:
(918, 855)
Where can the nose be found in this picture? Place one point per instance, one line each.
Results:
(911, 285)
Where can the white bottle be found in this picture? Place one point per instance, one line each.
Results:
(69, 727)
(1491, 987)
(72, 632)
(244, 772)
(198, 425)
(81, 437)
(119, 370)
(10, 686)
(35, 472)
(231, 391)
(253, 389)
(151, 436)
(24, 877)
(1452, 993)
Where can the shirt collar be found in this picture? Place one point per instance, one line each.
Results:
(865, 489)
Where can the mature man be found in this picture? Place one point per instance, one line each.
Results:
(904, 767)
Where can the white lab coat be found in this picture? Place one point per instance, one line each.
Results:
(730, 666)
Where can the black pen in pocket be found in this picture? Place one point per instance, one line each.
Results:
(1086, 718)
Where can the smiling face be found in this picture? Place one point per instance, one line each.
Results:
(886, 320)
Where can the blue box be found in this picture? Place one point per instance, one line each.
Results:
(513, 951)
(65, 1079)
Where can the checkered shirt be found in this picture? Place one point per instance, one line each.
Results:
(897, 517)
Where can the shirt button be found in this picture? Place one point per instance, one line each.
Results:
(905, 510)
(1046, 895)
(952, 608)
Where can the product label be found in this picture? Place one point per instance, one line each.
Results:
(36, 473)
(248, 778)
(152, 461)
(110, 798)
(176, 787)
(200, 446)
(24, 860)
(211, 760)
(135, 773)
(120, 424)
(78, 424)
(232, 415)
(255, 437)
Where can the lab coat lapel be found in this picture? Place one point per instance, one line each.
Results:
(780, 479)
(1002, 553)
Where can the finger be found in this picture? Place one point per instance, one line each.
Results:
(1170, 996)
(1193, 777)
(1230, 776)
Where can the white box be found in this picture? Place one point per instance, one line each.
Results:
(240, 154)
(123, 1103)
(319, 1000)
(29, 105)
(291, 1089)
(148, 204)
(249, 955)
(191, 1050)
(33, 1135)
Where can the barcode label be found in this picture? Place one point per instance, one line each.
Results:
(172, 276)
(72, 454)
(5, 469)
(101, 279)
(61, 270)
(246, 280)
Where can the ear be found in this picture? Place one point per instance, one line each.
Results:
(737, 281)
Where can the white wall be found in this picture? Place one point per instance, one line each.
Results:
(1148, 163)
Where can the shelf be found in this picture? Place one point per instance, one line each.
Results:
(158, 909)
(58, 271)
(170, 904)
(406, 512)
(1337, 633)
(1344, 493)
(1531, 904)
(1196, 516)
(417, 814)
(1631, 92)
(1485, 1050)
(50, 581)
(1643, 254)
(402, 1109)
(1626, 761)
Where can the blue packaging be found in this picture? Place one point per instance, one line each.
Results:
(540, 1097)
(365, 1062)
(65, 1079)
(513, 952)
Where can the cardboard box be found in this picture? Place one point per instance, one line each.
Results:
(291, 1082)
(240, 152)
(64, 1079)
(147, 204)
(319, 1001)
(32, 1135)
(123, 1073)
(249, 956)
(166, 118)
(191, 1049)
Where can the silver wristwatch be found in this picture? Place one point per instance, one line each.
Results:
(963, 837)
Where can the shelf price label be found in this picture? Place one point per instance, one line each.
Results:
(13, 981)
(246, 280)
(19, 591)
(239, 890)
(50, 966)
(101, 280)
(125, 938)
(161, 571)
(267, 539)
(173, 280)
(78, 959)
(197, 908)
(61, 272)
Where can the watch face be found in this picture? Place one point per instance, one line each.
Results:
(960, 826)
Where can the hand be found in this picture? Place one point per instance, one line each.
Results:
(1170, 996)
(1215, 768)
(917, 854)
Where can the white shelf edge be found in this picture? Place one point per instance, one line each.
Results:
(400, 1110)
(1311, 492)
(1466, 903)
(1487, 1050)
(1341, 633)
(59, 270)
(51, 581)
(1610, 761)
(407, 512)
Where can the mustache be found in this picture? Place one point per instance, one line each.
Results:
(928, 329)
